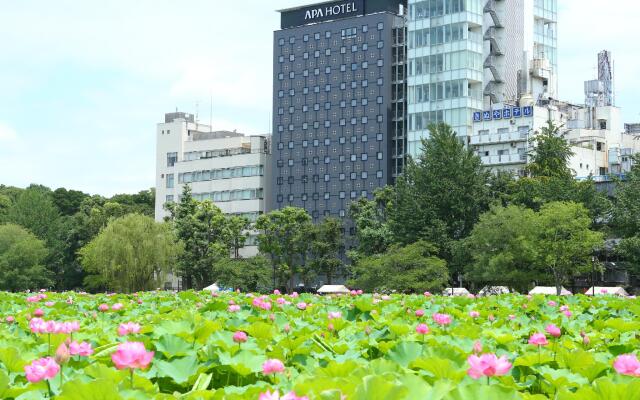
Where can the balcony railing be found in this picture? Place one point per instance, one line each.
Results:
(499, 138)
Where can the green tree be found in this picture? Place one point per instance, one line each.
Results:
(22, 257)
(5, 204)
(132, 253)
(551, 153)
(326, 243)
(283, 239)
(565, 241)
(440, 197)
(237, 234)
(502, 248)
(202, 229)
(247, 274)
(68, 201)
(371, 219)
(625, 217)
(409, 269)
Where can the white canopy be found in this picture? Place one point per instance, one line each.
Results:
(455, 292)
(610, 290)
(493, 290)
(334, 289)
(212, 288)
(550, 290)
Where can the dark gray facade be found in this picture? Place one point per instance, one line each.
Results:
(339, 110)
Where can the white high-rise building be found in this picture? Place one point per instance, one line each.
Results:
(467, 55)
(228, 168)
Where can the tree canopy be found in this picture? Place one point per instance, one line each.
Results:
(22, 257)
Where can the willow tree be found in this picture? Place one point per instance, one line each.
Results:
(132, 253)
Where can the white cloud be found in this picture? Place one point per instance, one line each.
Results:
(7, 134)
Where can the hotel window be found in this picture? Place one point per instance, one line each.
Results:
(305, 38)
(172, 159)
(292, 40)
(316, 36)
(170, 181)
(281, 42)
(169, 198)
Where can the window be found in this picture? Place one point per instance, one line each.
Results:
(379, 155)
(281, 42)
(172, 159)
(364, 175)
(170, 181)
(380, 26)
(364, 157)
(327, 195)
(379, 137)
(305, 38)
(343, 195)
(169, 198)
(291, 145)
(327, 34)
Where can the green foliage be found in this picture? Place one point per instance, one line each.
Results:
(413, 268)
(551, 153)
(68, 201)
(22, 257)
(326, 243)
(371, 219)
(283, 239)
(246, 274)
(203, 230)
(440, 197)
(515, 246)
(132, 253)
(236, 233)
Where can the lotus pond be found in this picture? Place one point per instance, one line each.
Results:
(187, 345)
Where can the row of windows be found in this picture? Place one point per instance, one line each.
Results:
(327, 160)
(327, 141)
(199, 155)
(230, 195)
(445, 62)
(438, 91)
(327, 178)
(343, 86)
(327, 52)
(327, 123)
(327, 34)
(327, 105)
(328, 70)
(453, 117)
(436, 8)
(327, 196)
(225, 173)
(437, 35)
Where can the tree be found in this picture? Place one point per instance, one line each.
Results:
(551, 153)
(440, 197)
(22, 257)
(5, 204)
(202, 229)
(409, 269)
(283, 239)
(625, 216)
(326, 243)
(68, 201)
(502, 248)
(247, 274)
(565, 241)
(237, 234)
(132, 253)
(370, 217)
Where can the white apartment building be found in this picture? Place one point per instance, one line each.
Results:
(468, 55)
(228, 168)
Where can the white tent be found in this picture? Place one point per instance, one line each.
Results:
(550, 290)
(333, 289)
(455, 292)
(602, 291)
(493, 290)
(212, 288)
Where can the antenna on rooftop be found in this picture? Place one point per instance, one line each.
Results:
(197, 109)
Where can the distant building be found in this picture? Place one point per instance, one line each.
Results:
(228, 168)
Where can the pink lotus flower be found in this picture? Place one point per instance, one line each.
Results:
(80, 349)
(492, 317)
(44, 368)
(49, 304)
(427, 294)
(419, 313)
(33, 299)
(131, 355)
(512, 317)
(10, 319)
(281, 300)
(564, 308)
(359, 292)
(585, 340)
(422, 329)
(442, 319)
(553, 330)
(567, 313)
(37, 325)
(552, 303)
(276, 292)
(474, 314)
(302, 306)
(353, 293)
(538, 339)
(62, 354)
(627, 364)
(117, 307)
(276, 396)
(128, 328)
(233, 308)
(239, 337)
(487, 365)
(38, 312)
(287, 328)
(334, 315)
(266, 306)
(477, 347)
(103, 307)
(272, 366)
(295, 294)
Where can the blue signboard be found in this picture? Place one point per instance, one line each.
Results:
(506, 113)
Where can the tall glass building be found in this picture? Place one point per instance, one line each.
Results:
(466, 56)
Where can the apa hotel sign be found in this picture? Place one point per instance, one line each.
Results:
(331, 11)
(322, 12)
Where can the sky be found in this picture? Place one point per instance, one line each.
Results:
(84, 83)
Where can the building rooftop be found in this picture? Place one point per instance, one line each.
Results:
(215, 135)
